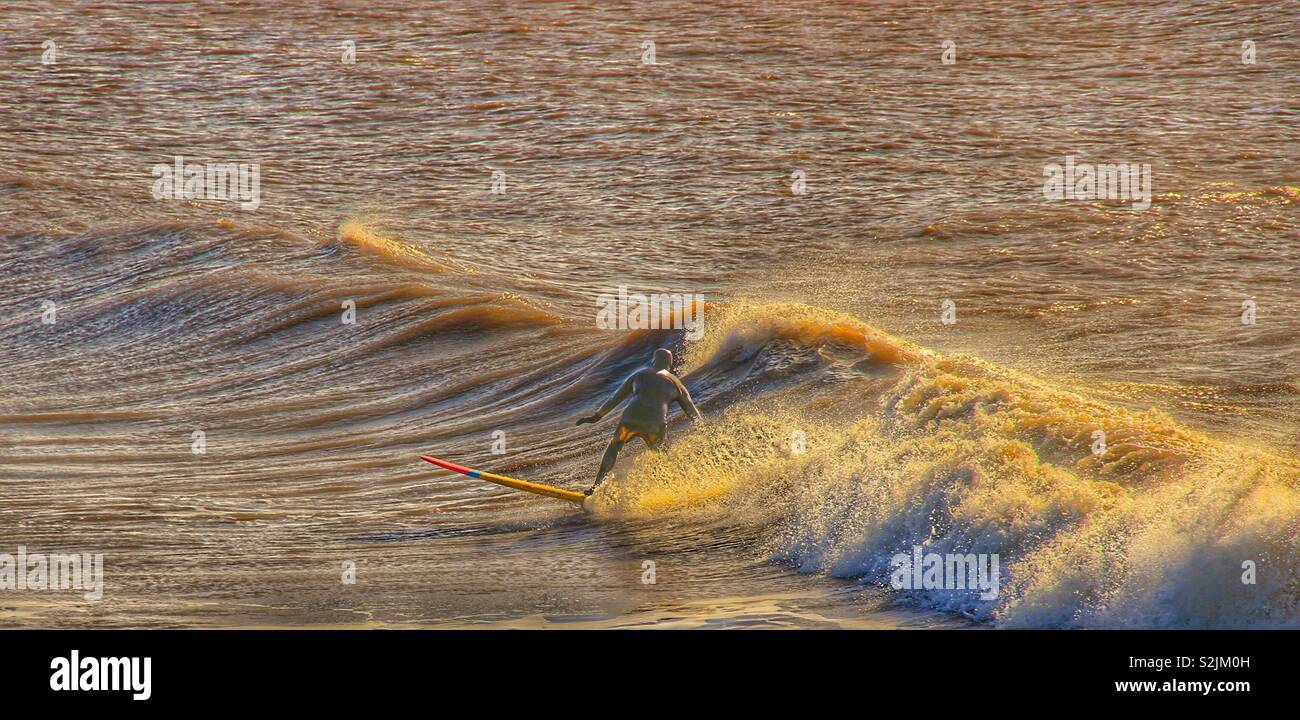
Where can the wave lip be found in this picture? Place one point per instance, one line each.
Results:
(355, 233)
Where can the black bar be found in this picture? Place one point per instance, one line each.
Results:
(942, 670)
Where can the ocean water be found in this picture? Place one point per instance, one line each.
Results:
(814, 173)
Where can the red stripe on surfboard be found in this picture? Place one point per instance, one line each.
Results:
(448, 465)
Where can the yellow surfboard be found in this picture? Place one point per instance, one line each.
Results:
(535, 488)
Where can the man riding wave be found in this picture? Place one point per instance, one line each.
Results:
(652, 390)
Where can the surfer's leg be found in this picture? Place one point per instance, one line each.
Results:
(607, 462)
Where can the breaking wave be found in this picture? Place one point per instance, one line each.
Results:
(853, 446)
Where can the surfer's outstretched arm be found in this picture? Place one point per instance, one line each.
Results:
(623, 391)
(687, 405)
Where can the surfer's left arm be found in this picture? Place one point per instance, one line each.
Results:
(687, 405)
(623, 391)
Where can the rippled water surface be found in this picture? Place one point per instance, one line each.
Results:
(475, 311)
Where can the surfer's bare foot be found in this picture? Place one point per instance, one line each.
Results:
(589, 491)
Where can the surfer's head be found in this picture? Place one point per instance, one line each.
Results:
(662, 360)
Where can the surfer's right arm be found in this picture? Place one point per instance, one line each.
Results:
(623, 391)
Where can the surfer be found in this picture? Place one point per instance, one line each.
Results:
(653, 389)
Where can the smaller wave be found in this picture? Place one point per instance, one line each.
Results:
(479, 318)
(743, 330)
(1290, 192)
(358, 234)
